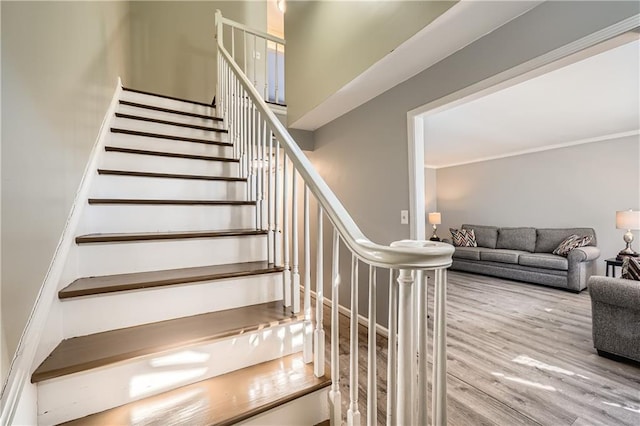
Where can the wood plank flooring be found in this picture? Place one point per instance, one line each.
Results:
(518, 354)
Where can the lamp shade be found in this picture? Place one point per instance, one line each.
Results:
(627, 219)
(434, 218)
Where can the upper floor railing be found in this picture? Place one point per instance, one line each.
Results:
(260, 56)
(282, 181)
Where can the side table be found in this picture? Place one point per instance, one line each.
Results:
(612, 263)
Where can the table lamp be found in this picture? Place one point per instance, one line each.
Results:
(435, 219)
(628, 219)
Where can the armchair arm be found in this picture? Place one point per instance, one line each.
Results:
(615, 291)
(583, 254)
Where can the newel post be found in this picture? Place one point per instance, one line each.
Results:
(406, 357)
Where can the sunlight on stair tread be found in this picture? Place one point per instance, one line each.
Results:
(145, 384)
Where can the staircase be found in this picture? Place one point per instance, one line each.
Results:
(177, 316)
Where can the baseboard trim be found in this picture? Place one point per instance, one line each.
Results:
(362, 320)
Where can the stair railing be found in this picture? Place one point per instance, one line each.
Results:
(260, 56)
(272, 162)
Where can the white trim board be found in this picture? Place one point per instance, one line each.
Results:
(21, 365)
(362, 320)
(604, 39)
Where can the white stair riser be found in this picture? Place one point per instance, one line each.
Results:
(141, 98)
(167, 145)
(140, 256)
(96, 390)
(169, 116)
(310, 409)
(122, 186)
(94, 314)
(152, 163)
(165, 129)
(148, 218)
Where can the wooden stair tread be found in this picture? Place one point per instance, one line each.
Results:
(169, 137)
(171, 123)
(168, 175)
(170, 202)
(169, 154)
(98, 350)
(145, 236)
(169, 110)
(135, 281)
(222, 400)
(159, 95)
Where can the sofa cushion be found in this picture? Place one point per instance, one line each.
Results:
(503, 256)
(471, 253)
(631, 268)
(517, 239)
(544, 260)
(547, 239)
(486, 236)
(463, 237)
(570, 243)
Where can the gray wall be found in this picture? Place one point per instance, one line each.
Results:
(363, 154)
(173, 45)
(60, 64)
(329, 43)
(579, 186)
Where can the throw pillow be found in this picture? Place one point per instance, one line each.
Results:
(631, 268)
(571, 242)
(463, 237)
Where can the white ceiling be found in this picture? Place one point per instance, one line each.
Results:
(594, 99)
(472, 20)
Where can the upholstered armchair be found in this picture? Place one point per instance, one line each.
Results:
(615, 309)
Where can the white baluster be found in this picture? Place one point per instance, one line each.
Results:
(334, 395)
(276, 76)
(372, 388)
(253, 55)
(421, 293)
(258, 166)
(252, 195)
(392, 351)
(286, 278)
(270, 199)
(319, 333)
(353, 413)
(277, 236)
(266, 165)
(307, 352)
(266, 69)
(439, 381)
(406, 355)
(244, 51)
(295, 272)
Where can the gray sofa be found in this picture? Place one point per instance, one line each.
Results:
(525, 254)
(615, 310)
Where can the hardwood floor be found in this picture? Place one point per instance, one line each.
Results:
(518, 354)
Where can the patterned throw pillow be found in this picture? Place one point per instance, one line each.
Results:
(571, 242)
(463, 237)
(631, 268)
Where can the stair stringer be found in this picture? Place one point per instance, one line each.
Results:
(44, 329)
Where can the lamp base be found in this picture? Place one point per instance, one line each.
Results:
(434, 238)
(624, 254)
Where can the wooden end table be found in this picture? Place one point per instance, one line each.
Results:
(612, 263)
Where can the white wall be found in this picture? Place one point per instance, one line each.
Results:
(578, 186)
(173, 45)
(60, 64)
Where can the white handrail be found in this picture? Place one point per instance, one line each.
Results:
(252, 31)
(426, 255)
(407, 257)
